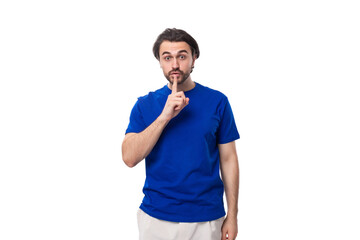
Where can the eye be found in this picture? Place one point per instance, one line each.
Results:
(167, 58)
(182, 57)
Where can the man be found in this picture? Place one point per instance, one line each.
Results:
(186, 132)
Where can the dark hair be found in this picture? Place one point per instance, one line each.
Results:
(176, 35)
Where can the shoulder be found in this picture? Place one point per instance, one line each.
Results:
(214, 99)
(212, 93)
(153, 95)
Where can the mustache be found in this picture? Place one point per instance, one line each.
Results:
(176, 70)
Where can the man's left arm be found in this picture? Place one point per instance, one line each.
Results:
(229, 167)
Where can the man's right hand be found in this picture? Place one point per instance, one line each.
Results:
(136, 146)
(175, 103)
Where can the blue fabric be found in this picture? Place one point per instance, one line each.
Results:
(183, 183)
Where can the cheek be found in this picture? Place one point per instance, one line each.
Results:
(163, 66)
(188, 65)
(165, 69)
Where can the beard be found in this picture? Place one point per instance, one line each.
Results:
(182, 78)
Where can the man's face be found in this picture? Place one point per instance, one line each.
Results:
(176, 60)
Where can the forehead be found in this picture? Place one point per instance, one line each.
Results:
(173, 47)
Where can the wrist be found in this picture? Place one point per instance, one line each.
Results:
(232, 214)
(163, 119)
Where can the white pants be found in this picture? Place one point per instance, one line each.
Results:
(154, 229)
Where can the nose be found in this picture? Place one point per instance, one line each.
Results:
(175, 64)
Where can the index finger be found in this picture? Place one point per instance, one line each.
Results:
(174, 85)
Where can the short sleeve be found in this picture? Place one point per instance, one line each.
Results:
(227, 131)
(136, 123)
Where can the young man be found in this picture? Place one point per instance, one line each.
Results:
(186, 132)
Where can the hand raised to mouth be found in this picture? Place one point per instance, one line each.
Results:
(176, 101)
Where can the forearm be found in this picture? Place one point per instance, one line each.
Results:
(136, 146)
(230, 175)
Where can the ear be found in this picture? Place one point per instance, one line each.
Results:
(194, 58)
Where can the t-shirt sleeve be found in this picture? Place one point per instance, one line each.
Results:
(136, 123)
(227, 131)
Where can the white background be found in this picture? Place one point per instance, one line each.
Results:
(71, 71)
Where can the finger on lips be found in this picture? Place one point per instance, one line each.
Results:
(179, 99)
(174, 85)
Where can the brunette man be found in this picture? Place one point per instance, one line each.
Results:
(186, 132)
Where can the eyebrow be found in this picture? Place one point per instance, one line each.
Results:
(181, 51)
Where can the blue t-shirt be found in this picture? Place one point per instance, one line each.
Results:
(183, 183)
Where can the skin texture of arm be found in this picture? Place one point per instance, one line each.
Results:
(229, 167)
(136, 146)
